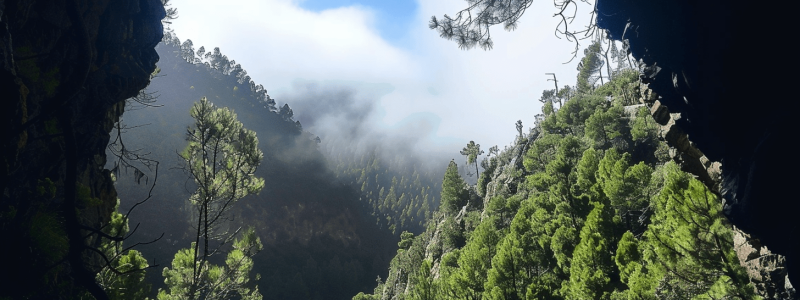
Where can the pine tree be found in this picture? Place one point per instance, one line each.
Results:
(472, 151)
(605, 125)
(454, 193)
(593, 267)
(127, 279)
(625, 185)
(474, 262)
(222, 157)
(690, 245)
(507, 279)
(589, 65)
(424, 287)
(644, 128)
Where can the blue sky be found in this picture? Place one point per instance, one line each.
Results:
(393, 17)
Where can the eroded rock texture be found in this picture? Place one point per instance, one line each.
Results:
(67, 67)
(767, 270)
(723, 66)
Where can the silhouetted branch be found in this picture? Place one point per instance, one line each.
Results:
(470, 27)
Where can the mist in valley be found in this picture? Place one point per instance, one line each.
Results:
(352, 158)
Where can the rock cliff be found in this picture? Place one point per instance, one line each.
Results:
(767, 270)
(67, 67)
(703, 66)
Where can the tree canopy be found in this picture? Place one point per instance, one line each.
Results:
(472, 151)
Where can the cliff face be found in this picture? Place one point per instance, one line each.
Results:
(67, 67)
(703, 65)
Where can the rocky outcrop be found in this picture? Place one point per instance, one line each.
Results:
(730, 98)
(682, 150)
(508, 168)
(767, 270)
(67, 67)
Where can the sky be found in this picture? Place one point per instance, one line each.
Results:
(373, 69)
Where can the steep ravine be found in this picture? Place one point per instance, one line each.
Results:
(320, 241)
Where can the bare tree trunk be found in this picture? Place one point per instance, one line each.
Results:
(195, 267)
(608, 61)
(601, 76)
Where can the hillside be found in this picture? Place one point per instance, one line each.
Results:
(314, 221)
(670, 179)
(588, 205)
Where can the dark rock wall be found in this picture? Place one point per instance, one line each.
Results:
(67, 67)
(724, 66)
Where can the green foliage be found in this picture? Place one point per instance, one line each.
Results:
(597, 218)
(454, 190)
(627, 186)
(576, 111)
(504, 208)
(508, 276)
(472, 151)
(51, 126)
(416, 190)
(474, 260)
(124, 278)
(548, 109)
(213, 282)
(85, 196)
(586, 182)
(131, 284)
(567, 156)
(644, 128)
(179, 278)
(489, 165)
(690, 242)
(541, 153)
(50, 81)
(452, 234)
(221, 155)
(627, 256)
(362, 296)
(406, 239)
(644, 133)
(605, 125)
(623, 88)
(589, 65)
(29, 69)
(423, 286)
(593, 268)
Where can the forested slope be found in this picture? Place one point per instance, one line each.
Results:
(323, 237)
(402, 191)
(587, 205)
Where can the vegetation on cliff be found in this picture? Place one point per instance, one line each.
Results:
(595, 212)
(584, 206)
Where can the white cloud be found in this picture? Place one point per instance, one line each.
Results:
(276, 41)
(477, 95)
